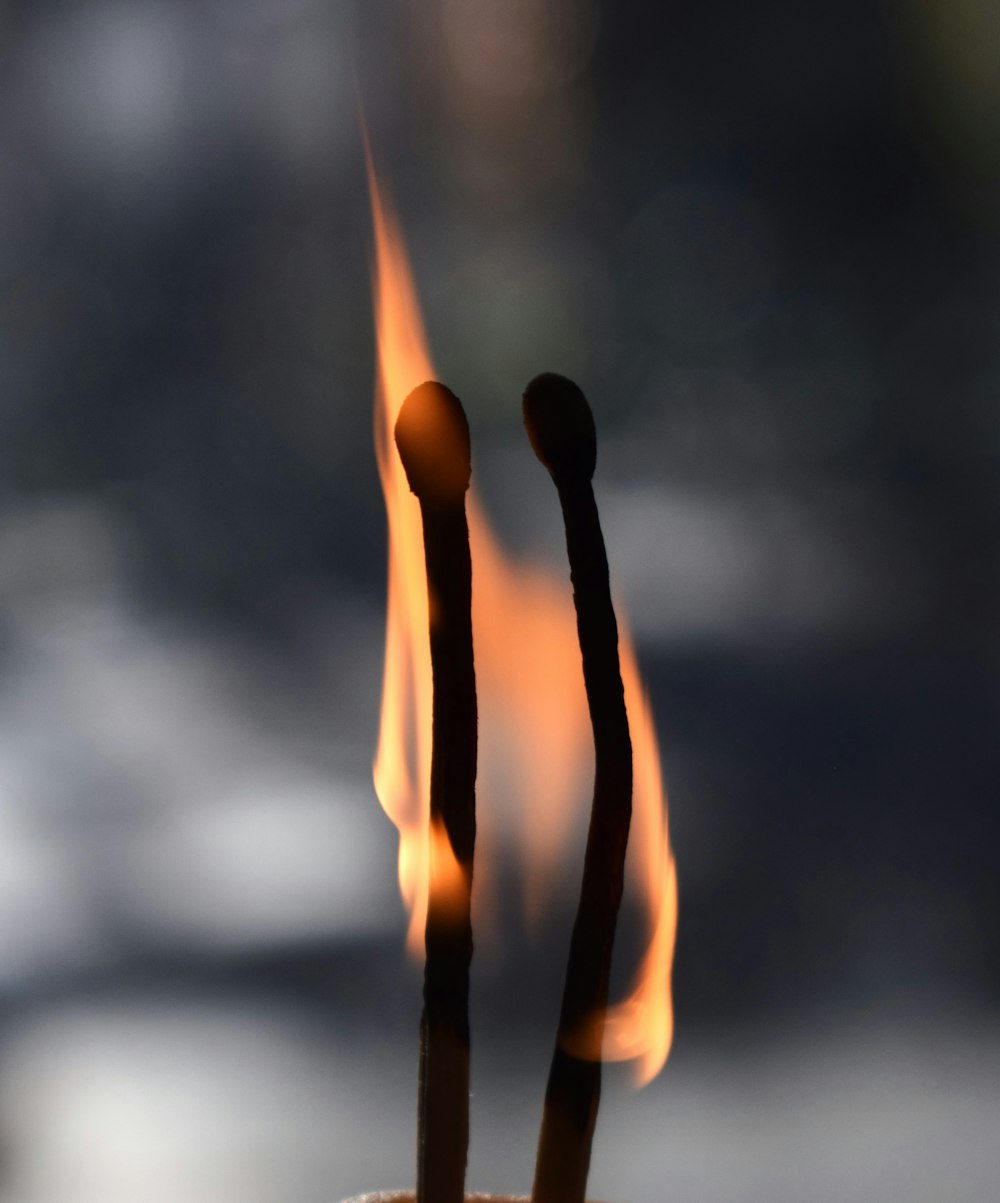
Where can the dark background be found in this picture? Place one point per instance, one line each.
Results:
(764, 238)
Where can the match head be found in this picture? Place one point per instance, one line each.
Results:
(560, 427)
(432, 437)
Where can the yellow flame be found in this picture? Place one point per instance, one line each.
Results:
(534, 725)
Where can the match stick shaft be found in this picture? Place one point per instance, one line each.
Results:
(432, 437)
(443, 1135)
(574, 1085)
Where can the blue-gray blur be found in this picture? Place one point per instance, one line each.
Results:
(765, 239)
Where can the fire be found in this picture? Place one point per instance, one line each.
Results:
(641, 1027)
(403, 755)
(534, 725)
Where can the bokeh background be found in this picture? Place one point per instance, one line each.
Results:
(765, 238)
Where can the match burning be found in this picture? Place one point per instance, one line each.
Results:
(561, 429)
(452, 599)
(432, 437)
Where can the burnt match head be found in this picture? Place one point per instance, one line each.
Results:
(432, 437)
(561, 427)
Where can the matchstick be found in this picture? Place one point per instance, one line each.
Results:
(432, 437)
(560, 426)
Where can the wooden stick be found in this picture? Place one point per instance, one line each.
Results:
(561, 429)
(432, 437)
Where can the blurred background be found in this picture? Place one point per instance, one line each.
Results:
(765, 238)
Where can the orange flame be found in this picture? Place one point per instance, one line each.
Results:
(641, 1027)
(534, 725)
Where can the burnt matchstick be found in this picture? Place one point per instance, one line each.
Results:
(560, 426)
(432, 437)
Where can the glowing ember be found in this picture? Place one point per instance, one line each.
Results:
(533, 714)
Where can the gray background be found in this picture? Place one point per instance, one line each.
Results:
(764, 238)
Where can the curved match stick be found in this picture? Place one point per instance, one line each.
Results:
(561, 429)
(432, 437)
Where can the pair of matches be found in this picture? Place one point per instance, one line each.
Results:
(432, 437)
